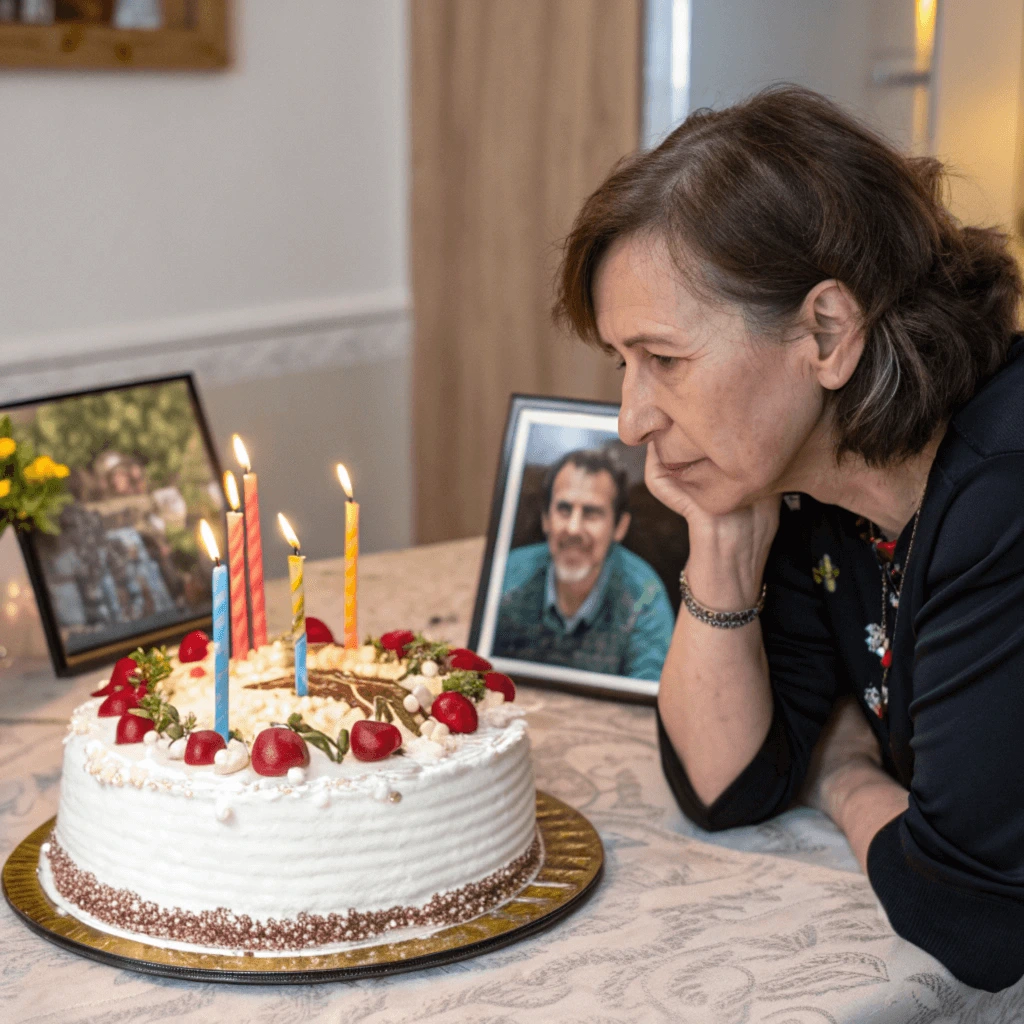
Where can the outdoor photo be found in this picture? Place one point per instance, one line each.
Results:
(124, 562)
(582, 584)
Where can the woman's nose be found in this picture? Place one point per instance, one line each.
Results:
(639, 417)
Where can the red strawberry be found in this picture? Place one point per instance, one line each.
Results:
(397, 640)
(318, 632)
(277, 749)
(470, 661)
(455, 711)
(118, 703)
(123, 668)
(202, 745)
(197, 672)
(500, 682)
(131, 728)
(193, 646)
(373, 741)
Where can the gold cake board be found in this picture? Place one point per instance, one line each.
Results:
(573, 858)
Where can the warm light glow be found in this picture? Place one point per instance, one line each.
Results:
(286, 529)
(924, 32)
(11, 610)
(345, 480)
(231, 490)
(240, 453)
(13, 590)
(209, 541)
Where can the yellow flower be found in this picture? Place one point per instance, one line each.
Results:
(39, 469)
(60, 471)
(5, 488)
(7, 447)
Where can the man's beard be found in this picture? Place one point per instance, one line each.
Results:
(567, 574)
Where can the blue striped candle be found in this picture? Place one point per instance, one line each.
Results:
(220, 639)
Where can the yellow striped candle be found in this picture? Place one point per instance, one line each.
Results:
(351, 559)
(253, 545)
(298, 589)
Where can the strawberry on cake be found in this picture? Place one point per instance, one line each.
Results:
(395, 799)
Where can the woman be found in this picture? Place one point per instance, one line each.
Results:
(797, 314)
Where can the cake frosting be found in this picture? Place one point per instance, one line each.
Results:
(337, 851)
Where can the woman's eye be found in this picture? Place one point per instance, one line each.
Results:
(667, 362)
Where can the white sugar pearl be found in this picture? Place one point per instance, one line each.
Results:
(440, 732)
(322, 799)
(224, 812)
(423, 697)
(428, 669)
(151, 737)
(410, 703)
(220, 757)
(176, 751)
(427, 728)
(296, 776)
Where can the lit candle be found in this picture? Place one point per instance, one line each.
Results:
(236, 571)
(254, 545)
(351, 559)
(295, 560)
(220, 631)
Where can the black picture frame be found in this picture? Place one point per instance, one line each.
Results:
(668, 547)
(70, 663)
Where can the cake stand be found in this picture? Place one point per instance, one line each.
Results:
(570, 868)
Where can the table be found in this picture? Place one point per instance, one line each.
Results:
(766, 924)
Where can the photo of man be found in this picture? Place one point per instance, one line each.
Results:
(580, 599)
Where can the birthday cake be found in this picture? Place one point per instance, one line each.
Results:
(394, 799)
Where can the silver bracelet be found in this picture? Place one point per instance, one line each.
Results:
(720, 620)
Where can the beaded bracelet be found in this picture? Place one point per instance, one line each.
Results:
(720, 620)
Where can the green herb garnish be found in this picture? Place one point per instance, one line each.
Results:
(421, 649)
(334, 749)
(469, 684)
(152, 667)
(164, 716)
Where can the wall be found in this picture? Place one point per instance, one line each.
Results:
(979, 109)
(249, 226)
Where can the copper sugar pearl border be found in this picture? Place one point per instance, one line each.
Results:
(125, 910)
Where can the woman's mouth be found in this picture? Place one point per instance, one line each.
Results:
(682, 467)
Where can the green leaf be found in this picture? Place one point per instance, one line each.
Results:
(469, 684)
(342, 744)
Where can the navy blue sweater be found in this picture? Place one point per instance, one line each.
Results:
(950, 871)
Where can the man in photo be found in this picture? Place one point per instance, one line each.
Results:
(580, 599)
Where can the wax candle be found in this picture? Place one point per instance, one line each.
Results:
(220, 631)
(295, 561)
(236, 571)
(253, 545)
(351, 559)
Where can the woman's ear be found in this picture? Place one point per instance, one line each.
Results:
(833, 317)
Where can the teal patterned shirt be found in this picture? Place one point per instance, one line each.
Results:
(623, 627)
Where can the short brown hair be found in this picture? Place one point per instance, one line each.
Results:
(763, 200)
(592, 461)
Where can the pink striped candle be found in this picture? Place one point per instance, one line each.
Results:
(236, 571)
(254, 546)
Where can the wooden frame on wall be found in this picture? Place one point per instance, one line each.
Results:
(193, 35)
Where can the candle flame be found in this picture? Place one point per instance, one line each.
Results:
(231, 490)
(209, 541)
(345, 480)
(286, 529)
(240, 453)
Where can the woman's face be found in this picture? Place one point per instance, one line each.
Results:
(731, 416)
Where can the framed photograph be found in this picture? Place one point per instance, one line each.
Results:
(160, 35)
(125, 569)
(580, 581)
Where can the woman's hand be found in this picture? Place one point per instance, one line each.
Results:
(727, 552)
(846, 781)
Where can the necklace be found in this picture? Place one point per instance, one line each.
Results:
(879, 639)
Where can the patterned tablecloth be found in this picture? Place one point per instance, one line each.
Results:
(771, 924)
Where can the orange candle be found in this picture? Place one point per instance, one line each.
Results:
(236, 571)
(351, 559)
(253, 545)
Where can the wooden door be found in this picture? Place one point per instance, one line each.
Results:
(518, 109)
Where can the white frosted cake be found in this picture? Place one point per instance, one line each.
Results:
(395, 799)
